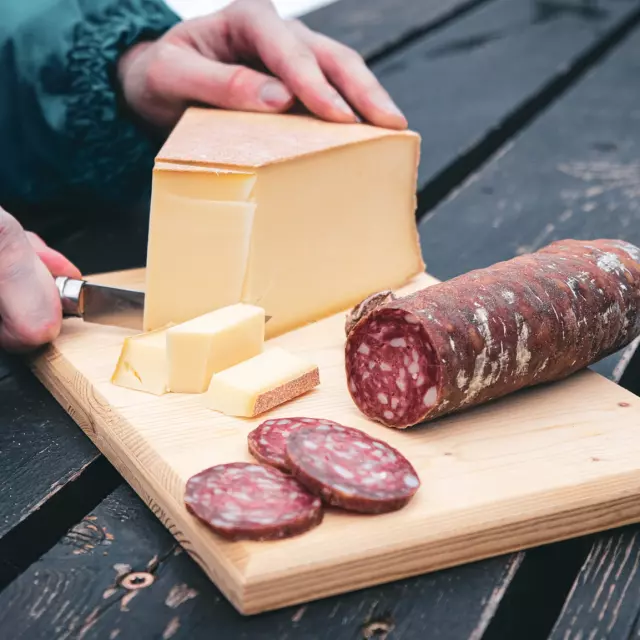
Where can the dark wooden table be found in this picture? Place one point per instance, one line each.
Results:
(530, 117)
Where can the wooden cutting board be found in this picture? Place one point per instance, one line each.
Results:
(542, 465)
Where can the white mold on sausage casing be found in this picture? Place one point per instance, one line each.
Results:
(509, 296)
(610, 262)
(631, 250)
(523, 355)
(613, 310)
(480, 380)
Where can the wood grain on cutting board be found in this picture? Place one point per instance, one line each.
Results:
(542, 465)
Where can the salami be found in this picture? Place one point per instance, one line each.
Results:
(243, 501)
(349, 469)
(267, 441)
(534, 319)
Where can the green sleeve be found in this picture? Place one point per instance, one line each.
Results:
(67, 142)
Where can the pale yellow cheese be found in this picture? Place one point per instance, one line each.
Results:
(197, 257)
(334, 218)
(261, 383)
(198, 348)
(143, 363)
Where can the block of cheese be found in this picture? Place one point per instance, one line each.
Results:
(142, 364)
(199, 247)
(198, 348)
(334, 216)
(261, 383)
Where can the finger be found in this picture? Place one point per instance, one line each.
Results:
(57, 264)
(30, 310)
(185, 75)
(264, 33)
(349, 73)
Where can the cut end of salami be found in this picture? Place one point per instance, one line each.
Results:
(267, 442)
(243, 501)
(534, 319)
(394, 369)
(349, 469)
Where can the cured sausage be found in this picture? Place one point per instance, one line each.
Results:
(267, 441)
(349, 469)
(243, 501)
(534, 319)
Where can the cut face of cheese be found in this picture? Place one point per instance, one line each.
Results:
(261, 383)
(197, 257)
(201, 347)
(143, 363)
(334, 216)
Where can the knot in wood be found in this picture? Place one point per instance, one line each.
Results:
(137, 580)
(378, 629)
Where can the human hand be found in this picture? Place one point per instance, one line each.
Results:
(213, 60)
(30, 310)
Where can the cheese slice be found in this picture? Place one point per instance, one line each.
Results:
(334, 216)
(261, 383)
(142, 364)
(198, 348)
(196, 259)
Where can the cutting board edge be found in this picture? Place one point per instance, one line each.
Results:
(253, 603)
(242, 582)
(252, 592)
(585, 517)
(176, 520)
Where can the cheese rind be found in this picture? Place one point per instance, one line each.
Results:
(261, 383)
(201, 347)
(196, 259)
(142, 364)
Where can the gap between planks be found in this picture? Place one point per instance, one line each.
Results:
(454, 177)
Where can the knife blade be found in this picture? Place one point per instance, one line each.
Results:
(102, 304)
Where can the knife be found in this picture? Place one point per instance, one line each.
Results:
(102, 304)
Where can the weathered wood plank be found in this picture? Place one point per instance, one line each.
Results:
(372, 27)
(42, 453)
(604, 601)
(470, 85)
(573, 173)
(76, 590)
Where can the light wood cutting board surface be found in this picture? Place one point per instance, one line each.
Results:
(542, 465)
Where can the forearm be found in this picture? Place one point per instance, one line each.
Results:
(65, 132)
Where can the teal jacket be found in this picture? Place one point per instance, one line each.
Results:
(67, 146)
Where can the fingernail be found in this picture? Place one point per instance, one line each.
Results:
(340, 103)
(388, 105)
(274, 94)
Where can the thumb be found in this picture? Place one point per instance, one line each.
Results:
(189, 76)
(30, 309)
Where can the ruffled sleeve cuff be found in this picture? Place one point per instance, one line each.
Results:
(109, 151)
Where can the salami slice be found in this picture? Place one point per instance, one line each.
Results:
(349, 469)
(267, 441)
(243, 501)
(534, 319)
